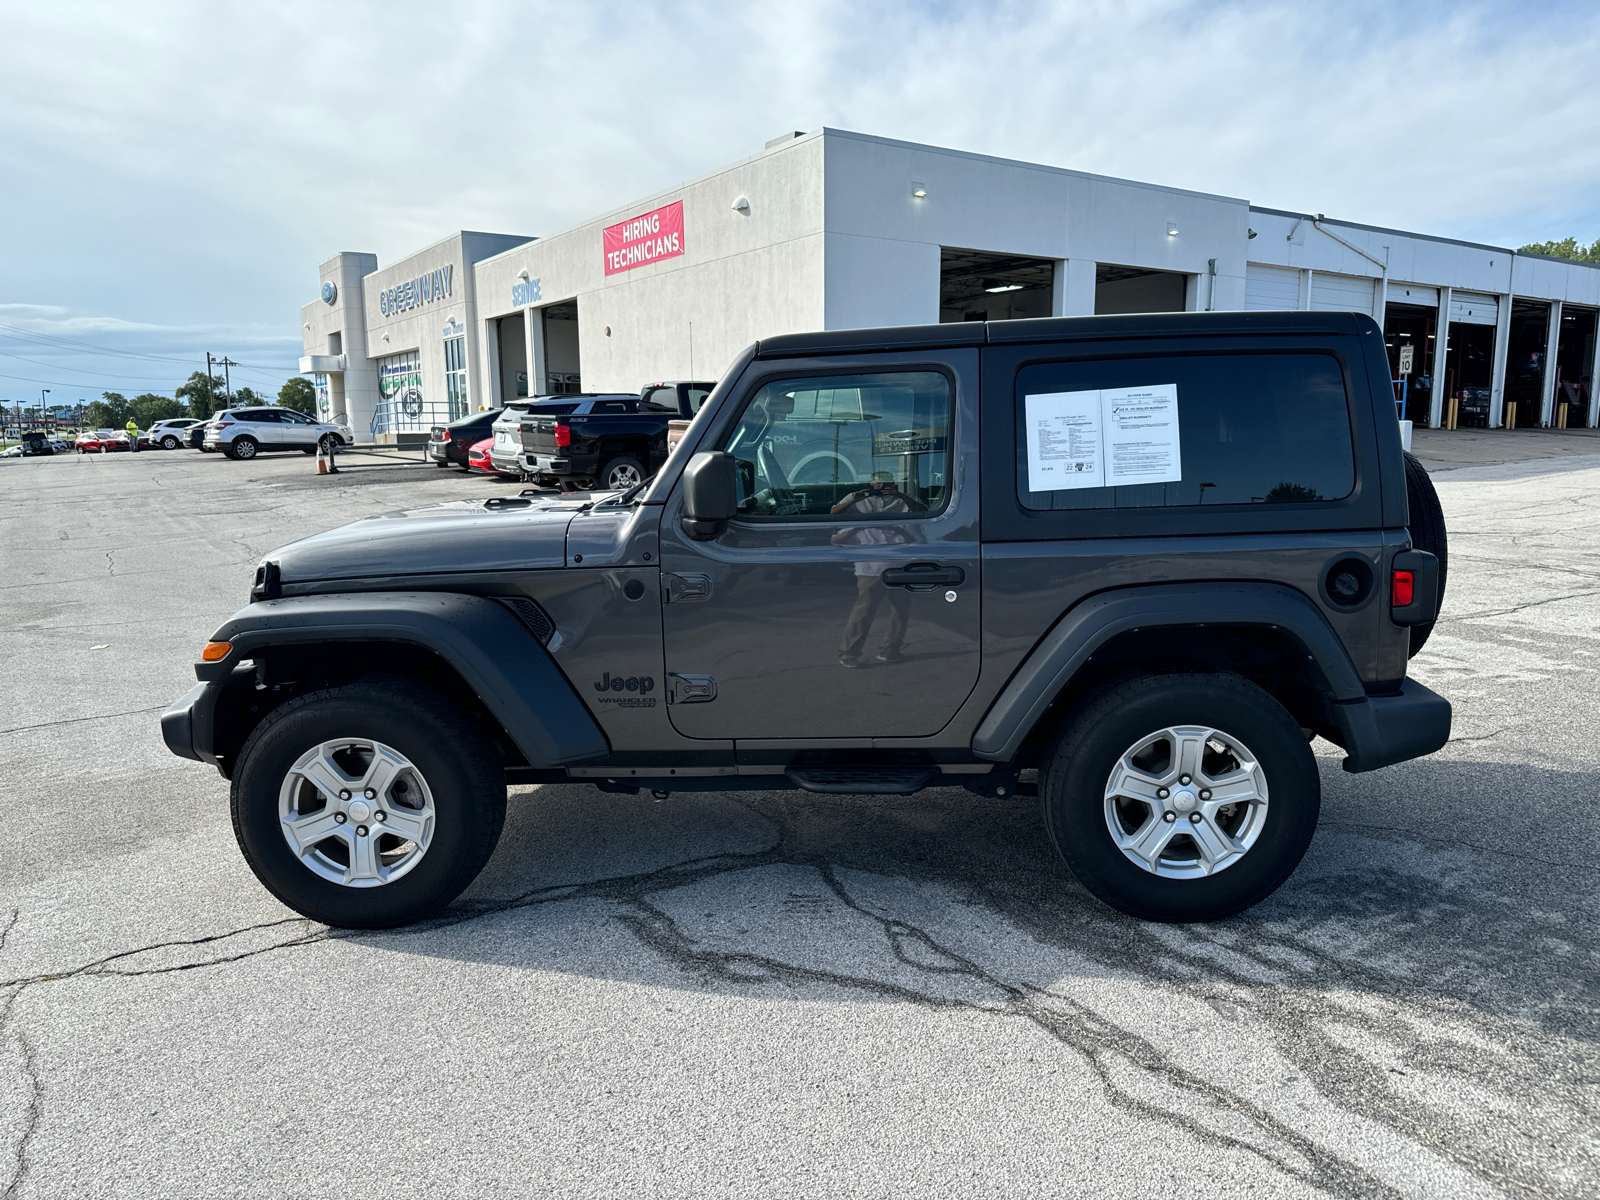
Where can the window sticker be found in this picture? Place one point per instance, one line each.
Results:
(1112, 437)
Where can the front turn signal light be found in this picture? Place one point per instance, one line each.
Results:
(215, 651)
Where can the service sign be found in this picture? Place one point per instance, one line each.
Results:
(641, 240)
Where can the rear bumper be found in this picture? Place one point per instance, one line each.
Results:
(439, 451)
(1380, 731)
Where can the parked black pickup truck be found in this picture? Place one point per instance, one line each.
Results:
(612, 441)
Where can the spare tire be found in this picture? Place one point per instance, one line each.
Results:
(1426, 521)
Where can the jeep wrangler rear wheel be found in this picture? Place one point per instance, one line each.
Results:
(1181, 797)
(348, 808)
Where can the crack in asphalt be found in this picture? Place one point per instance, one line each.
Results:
(1344, 1081)
(35, 1109)
(132, 712)
(1503, 612)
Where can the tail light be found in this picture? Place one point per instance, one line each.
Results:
(1402, 590)
(223, 424)
(563, 435)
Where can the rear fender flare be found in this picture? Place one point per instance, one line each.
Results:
(493, 651)
(1093, 622)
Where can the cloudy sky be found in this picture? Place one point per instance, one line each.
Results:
(171, 174)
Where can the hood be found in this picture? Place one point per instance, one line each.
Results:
(501, 534)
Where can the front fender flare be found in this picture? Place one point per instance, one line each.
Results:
(487, 645)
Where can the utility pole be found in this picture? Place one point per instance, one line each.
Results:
(227, 379)
(43, 392)
(211, 400)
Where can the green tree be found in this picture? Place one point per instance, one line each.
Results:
(203, 396)
(297, 393)
(149, 408)
(245, 396)
(1566, 248)
(109, 412)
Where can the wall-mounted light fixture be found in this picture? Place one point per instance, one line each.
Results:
(1172, 229)
(742, 205)
(608, 331)
(523, 274)
(1251, 232)
(919, 191)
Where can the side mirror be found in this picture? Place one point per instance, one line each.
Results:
(710, 493)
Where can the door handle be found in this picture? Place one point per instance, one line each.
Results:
(924, 575)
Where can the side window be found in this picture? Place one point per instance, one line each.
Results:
(289, 417)
(609, 406)
(1183, 430)
(845, 445)
(661, 399)
(697, 397)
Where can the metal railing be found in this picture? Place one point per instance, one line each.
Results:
(407, 414)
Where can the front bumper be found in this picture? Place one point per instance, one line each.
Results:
(1380, 731)
(188, 726)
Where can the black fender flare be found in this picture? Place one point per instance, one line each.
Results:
(484, 641)
(1093, 622)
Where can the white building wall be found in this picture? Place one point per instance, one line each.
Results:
(744, 274)
(832, 235)
(421, 324)
(883, 240)
(352, 381)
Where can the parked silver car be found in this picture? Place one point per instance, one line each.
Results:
(246, 432)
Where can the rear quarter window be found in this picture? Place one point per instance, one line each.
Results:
(1189, 430)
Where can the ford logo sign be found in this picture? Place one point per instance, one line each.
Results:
(330, 292)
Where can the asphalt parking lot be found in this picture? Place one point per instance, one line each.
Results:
(736, 994)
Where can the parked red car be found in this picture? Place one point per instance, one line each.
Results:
(92, 441)
(478, 460)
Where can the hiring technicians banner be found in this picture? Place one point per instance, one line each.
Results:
(646, 239)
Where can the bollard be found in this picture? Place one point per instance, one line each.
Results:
(333, 447)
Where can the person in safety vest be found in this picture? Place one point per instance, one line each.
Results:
(133, 436)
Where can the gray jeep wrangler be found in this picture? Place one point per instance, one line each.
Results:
(1142, 560)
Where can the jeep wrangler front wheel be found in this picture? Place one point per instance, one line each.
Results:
(1182, 797)
(349, 809)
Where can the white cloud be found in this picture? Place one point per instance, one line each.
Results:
(187, 165)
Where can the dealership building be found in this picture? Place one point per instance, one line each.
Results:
(838, 230)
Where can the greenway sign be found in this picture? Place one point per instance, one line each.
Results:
(413, 293)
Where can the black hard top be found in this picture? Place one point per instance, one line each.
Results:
(1059, 329)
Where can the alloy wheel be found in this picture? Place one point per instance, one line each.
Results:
(622, 476)
(1186, 802)
(356, 812)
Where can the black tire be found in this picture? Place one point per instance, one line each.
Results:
(1077, 770)
(454, 757)
(1426, 518)
(169, 442)
(243, 448)
(630, 469)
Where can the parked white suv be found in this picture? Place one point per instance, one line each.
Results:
(172, 433)
(246, 432)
